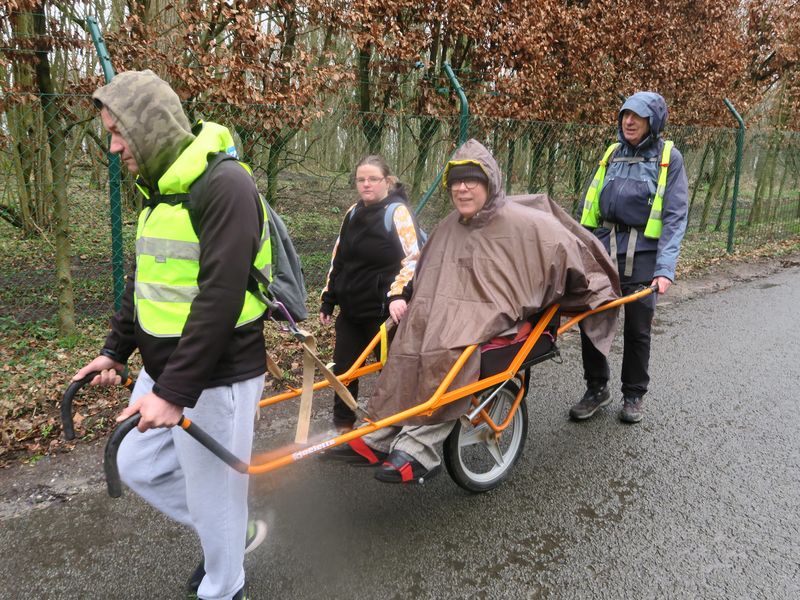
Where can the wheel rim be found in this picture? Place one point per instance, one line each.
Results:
(483, 457)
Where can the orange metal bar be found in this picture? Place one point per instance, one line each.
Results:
(500, 428)
(438, 399)
(414, 411)
(512, 368)
(354, 372)
(613, 304)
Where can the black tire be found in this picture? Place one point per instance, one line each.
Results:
(466, 452)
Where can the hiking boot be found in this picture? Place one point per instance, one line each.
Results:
(593, 400)
(632, 409)
(256, 534)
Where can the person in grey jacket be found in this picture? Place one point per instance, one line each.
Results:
(637, 205)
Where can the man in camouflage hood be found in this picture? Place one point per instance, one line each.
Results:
(637, 205)
(488, 266)
(188, 310)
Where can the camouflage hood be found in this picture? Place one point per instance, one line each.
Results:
(150, 117)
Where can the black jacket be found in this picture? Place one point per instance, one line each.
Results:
(211, 351)
(366, 260)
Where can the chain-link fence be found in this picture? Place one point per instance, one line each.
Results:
(53, 166)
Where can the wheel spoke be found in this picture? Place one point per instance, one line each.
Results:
(470, 437)
(493, 448)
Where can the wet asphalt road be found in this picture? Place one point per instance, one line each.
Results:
(698, 501)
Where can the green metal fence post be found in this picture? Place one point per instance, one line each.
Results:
(739, 150)
(114, 178)
(463, 133)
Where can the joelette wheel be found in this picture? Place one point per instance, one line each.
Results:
(479, 460)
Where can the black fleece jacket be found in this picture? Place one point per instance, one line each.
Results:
(211, 350)
(366, 260)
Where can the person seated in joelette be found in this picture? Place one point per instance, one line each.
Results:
(488, 266)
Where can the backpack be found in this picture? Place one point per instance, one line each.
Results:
(388, 221)
(288, 283)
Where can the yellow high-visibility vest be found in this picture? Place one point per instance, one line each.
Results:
(168, 250)
(591, 217)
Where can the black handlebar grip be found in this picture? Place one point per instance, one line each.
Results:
(67, 424)
(110, 458)
(213, 445)
(66, 404)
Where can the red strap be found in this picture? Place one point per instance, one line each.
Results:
(360, 447)
(406, 472)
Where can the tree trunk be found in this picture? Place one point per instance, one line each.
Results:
(510, 163)
(429, 127)
(700, 178)
(370, 124)
(537, 150)
(57, 143)
(725, 194)
(714, 186)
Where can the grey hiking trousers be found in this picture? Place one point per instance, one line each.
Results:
(421, 442)
(183, 480)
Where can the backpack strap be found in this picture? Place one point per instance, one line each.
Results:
(388, 215)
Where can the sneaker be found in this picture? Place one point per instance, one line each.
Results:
(193, 583)
(632, 409)
(241, 594)
(592, 401)
(256, 534)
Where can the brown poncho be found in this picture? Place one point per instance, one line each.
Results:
(480, 278)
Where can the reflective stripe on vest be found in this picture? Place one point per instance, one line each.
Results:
(653, 227)
(168, 250)
(591, 217)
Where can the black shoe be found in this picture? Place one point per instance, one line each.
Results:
(355, 452)
(400, 467)
(256, 533)
(343, 425)
(592, 401)
(193, 583)
(632, 409)
(241, 594)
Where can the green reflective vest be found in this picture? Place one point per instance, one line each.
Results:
(591, 217)
(168, 250)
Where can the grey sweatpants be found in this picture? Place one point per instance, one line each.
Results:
(420, 441)
(183, 480)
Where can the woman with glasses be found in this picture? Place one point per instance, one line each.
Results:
(373, 259)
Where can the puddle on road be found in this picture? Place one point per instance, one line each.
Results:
(611, 508)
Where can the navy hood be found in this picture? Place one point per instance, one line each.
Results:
(650, 106)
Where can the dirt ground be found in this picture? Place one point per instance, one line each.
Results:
(57, 478)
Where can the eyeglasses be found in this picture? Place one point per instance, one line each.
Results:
(372, 180)
(470, 184)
